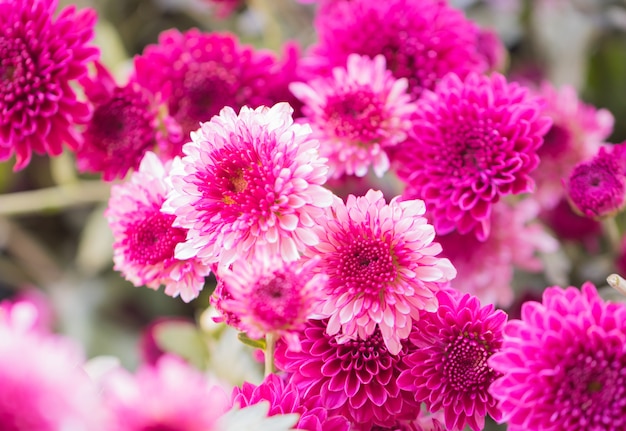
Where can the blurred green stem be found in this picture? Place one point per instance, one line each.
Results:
(611, 232)
(270, 347)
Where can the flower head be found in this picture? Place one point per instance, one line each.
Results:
(145, 238)
(382, 267)
(41, 57)
(421, 40)
(475, 141)
(355, 379)
(356, 114)
(449, 369)
(249, 184)
(563, 363)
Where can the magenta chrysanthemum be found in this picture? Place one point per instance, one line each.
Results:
(145, 239)
(448, 371)
(271, 296)
(249, 184)
(284, 397)
(382, 266)
(563, 364)
(421, 40)
(355, 379)
(40, 58)
(356, 114)
(200, 73)
(475, 141)
(170, 396)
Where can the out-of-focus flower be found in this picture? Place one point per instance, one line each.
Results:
(421, 40)
(224, 8)
(382, 267)
(357, 113)
(563, 364)
(448, 371)
(249, 184)
(41, 57)
(475, 140)
(569, 226)
(145, 238)
(256, 417)
(355, 379)
(29, 309)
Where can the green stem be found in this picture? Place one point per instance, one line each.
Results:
(611, 231)
(270, 346)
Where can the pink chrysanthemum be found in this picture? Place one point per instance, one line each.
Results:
(271, 296)
(355, 379)
(475, 141)
(356, 114)
(126, 123)
(249, 184)
(421, 40)
(563, 364)
(42, 386)
(145, 239)
(382, 266)
(284, 397)
(40, 58)
(576, 134)
(485, 268)
(448, 371)
(203, 72)
(169, 396)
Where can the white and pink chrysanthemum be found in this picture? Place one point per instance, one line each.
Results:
(271, 296)
(563, 364)
(249, 184)
(382, 266)
(170, 395)
(356, 114)
(475, 140)
(145, 238)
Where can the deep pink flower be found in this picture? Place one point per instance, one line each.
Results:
(284, 397)
(249, 184)
(475, 141)
(563, 364)
(486, 268)
(448, 371)
(421, 40)
(357, 114)
(168, 396)
(382, 266)
(42, 386)
(200, 73)
(576, 134)
(271, 296)
(126, 123)
(569, 226)
(41, 57)
(355, 379)
(144, 236)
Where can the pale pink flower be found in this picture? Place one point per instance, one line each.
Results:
(249, 184)
(382, 266)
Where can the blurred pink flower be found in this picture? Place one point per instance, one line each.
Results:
(249, 184)
(41, 57)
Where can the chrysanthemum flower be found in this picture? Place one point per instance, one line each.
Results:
(475, 141)
(249, 184)
(355, 379)
(421, 40)
(356, 114)
(200, 73)
(42, 386)
(126, 123)
(485, 268)
(284, 398)
(382, 266)
(448, 371)
(41, 57)
(168, 396)
(271, 296)
(576, 134)
(145, 239)
(563, 364)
